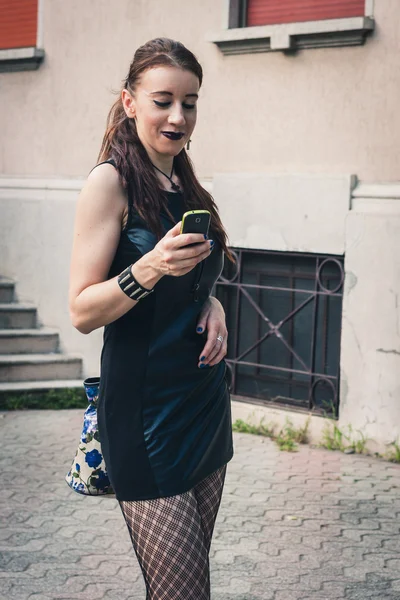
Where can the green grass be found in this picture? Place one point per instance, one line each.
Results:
(287, 438)
(393, 455)
(335, 438)
(44, 399)
(243, 427)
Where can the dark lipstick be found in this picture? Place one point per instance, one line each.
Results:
(172, 135)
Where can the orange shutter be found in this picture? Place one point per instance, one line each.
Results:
(269, 12)
(18, 23)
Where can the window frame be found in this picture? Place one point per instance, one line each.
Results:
(27, 58)
(237, 38)
(232, 288)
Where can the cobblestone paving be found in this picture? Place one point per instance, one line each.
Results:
(311, 525)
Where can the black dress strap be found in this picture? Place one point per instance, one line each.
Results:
(110, 160)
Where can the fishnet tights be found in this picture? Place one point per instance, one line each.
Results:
(172, 537)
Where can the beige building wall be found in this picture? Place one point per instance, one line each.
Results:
(286, 136)
(332, 110)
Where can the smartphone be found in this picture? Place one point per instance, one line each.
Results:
(196, 221)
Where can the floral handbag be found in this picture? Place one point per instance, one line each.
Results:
(88, 474)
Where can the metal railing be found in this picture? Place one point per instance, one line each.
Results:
(284, 319)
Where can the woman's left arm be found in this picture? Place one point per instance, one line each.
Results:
(212, 320)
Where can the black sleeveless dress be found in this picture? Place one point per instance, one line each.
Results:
(164, 423)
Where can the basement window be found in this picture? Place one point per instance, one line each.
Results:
(283, 314)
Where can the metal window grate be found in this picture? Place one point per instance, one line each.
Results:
(283, 313)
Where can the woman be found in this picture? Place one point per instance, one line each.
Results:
(164, 408)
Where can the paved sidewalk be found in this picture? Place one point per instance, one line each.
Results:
(312, 525)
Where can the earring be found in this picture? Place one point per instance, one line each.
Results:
(188, 145)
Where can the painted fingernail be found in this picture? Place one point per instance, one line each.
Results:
(202, 358)
(202, 366)
(199, 329)
(205, 236)
(211, 243)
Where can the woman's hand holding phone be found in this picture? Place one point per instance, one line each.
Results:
(174, 255)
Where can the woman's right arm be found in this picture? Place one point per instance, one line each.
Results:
(95, 301)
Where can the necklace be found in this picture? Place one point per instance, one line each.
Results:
(174, 185)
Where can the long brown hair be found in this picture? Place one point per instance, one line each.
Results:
(122, 143)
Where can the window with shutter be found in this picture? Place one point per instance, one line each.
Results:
(289, 25)
(271, 12)
(19, 35)
(18, 23)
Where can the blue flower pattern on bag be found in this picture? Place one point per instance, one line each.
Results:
(93, 458)
(88, 474)
(101, 480)
(89, 423)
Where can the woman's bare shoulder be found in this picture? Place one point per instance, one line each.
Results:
(105, 173)
(103, 188)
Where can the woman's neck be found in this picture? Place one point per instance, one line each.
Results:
(164, 173)
(165, 165)
(164, 162)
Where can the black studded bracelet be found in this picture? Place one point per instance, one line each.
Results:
(130, 286)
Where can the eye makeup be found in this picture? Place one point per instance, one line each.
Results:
(166, 104)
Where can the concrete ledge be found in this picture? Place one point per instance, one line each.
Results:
(376, 198)
(293, 36)
(27, 188)
(33, 188)
(377, 190)
(39, 183)
(21, 59)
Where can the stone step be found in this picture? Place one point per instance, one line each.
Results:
(15, 315)
(7, 287)
(28, 341)
(26, 386)
(36, 367)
